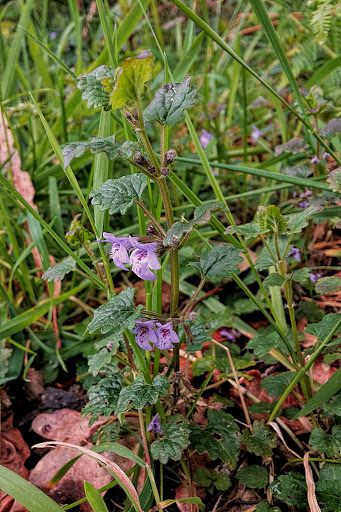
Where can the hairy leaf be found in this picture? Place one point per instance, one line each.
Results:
(265, 259)
(298, 221)
(271, 221)
(293, 146)
(301, 171)
(221, 261)
(202, 215)
(261, 442)
(175, 439)
(292, 489)
(328, 444)
(139, 393)
(59, 270)
(328, 489)
(255, 477)
(331, 128)
(301, 275)
(117, 315)
(117, 195)
(132, 76)
(328, 285)
(106, 145)
(273, 279)
(275, 385)
(93, 91)
(251, 230)
(103, 397)
(323, 328)
(170, 102)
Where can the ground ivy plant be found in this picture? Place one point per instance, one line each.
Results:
(132, 339)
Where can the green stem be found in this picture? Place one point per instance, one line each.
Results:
(303, 371)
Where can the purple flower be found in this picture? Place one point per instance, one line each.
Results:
(231, 336)
(315, 160)
(256, 133)
(303, 204)
(145, 334)
(154, 425)
(215, 173)
(53, 35)
(205, 138)
(295, 253)
(143, 258)
(166, 336)
(314, 277)
(119, 249)
(325, 156)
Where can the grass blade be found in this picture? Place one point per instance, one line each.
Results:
(94, 498)
(327, 391)
(25, 493)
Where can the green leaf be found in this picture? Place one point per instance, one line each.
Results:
(292, 489)
(29, 496)
(132, 76)
(101, 359)
(103, 397)
(93, 91)
(94, 498)
(106, 145)
(60, 270)
(273, 279)
(139, 393)
(323, 328)
(328, 285)
(334, 179)
(202, 477)
(293, 146)
(255, 477)
(275, 385)
(78, 234)
(221, 482)
(250, 230)
(264, 341)
(202, 215)
(271, 221)
(328, 489)
(301, 275)
(298, 221)
(202, 365)
(334, 406)
(331, 128)
(328, 444)
(175, 439)
(205, 439)
(325, 393)
(118, 195)
(117, 315)
(170, 102)
(300, 171)
(221, 261)
(261, 442)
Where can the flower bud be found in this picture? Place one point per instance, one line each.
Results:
(151, 169)
(170, 157)
(151, 230)
(140, 159)
(165, 171)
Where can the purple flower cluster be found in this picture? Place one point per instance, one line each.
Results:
(154, 425)
(303, 195)
(142, 257)
(162, 338)
(231, 336)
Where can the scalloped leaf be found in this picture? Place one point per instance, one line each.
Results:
(271, 220)
(118, 195)
(132, 76)
(293, 146)
(103, 397)
(139, 393)
(221, 261)
(59, 270)
(331, 128)
(175, 439)
(202, 215)
(273, 279)
(298, 221)
(328, 285)
(93, 91)
(106, 145)
(250, 230)
(117, 315)
(170, 102)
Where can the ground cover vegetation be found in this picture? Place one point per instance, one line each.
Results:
(170, 255)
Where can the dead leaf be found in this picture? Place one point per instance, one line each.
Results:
(312, 501)
(13, 454)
